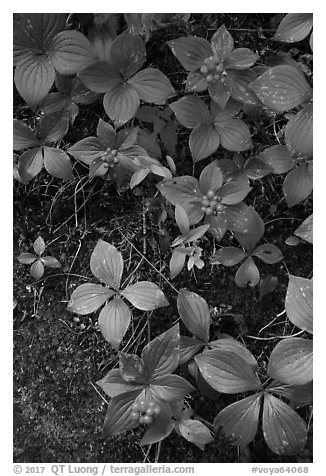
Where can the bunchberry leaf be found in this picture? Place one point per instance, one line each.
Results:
(248, 273)
(128, 53)
(234, 134)
(106, 134)
(211, 177)
(37, 269)
(107, 264)
(299, 132)
(114, 384)
(190, 111)
(294, 27)
(70, 52)
(254, 231)
(53, 127)
(227, 372)
(26, 258)
(195, 432)
(299, 395)
(222, 42)
(297, 185)
(241, 90)
(299, 302)
(24, 137)
(305, 230)
(267, 285)
(161, 427)
(101, 41)
(117, 419)
(220, 91)
(138, 176)
(57, 163)
(121, 103)
(278, 158)
(161, 355)
(114, 321)
(284, 430)
(226, 342)
(177, 262)
(87, 150)
(170, 388)
(229, 256)
(132, 368)
(256, 169)
(181, 219)
(39, 246)
(50, 262)
(196, 233)
(240, 58)
(30, 164)
(191, 51)
(194, 312)
(189, 346)
(152, 85)
(145, 295)
(100, 77)
(239, 421)
(268, 253)
(89, 297)
(291, 361)
(281, 88)
(204, 140)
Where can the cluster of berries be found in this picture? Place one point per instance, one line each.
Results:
(110, 159)
(144, 412)
(212, 69)
(211, 203)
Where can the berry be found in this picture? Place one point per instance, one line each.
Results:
(205, 202)
(134, 415)
(145, 419)
(209, 211)
(116, 160)
(204, 69)
(219, 207)
(217, 76)
(208, 60)
(106, 165)
(142, 406)
(213, 203)
(209, 78)
(157, 409)
(219, 68)
(135, 407)
(150, 411)
(210, 193)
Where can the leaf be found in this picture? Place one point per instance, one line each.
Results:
(113, 384)
(294, 27)
(195, 432)
(101, 41)
(291, 361)
(37, 269)
(114, 321)
(161, 427)
(26, 258)
(267, 285)
(299, 302)
(39, 246)
(121, 103)
(53, 127)
(33, 78)
(220, 91)
(194, 312)
(244, 220)
(256, 169)
(170, 388)
(278, 158)
(282, 88)
(305, 230)
(248, 273)
(239, 421)
(211, 177)
(299, 132)
(57, 163)
(268, 253)
(152, 85)
(222, 42)
(228, 256)
(190, 111)
(137, 177)
(297, 185)
(284, 430)
(181, 219)
(177, 262)
(131, 368)
(241, 91)
(88, 298)
(24, 137)
(226, 342)
(145, 296)
(100, 77)
(51, 262)
(161, 355)
(87, 150)
(128, 53)
(70, 52)
(107, 264)
(226, 372)
(30, 164)
(191, 51)
(240, 58)
(204, 140)
(117, 419)
(299, 395)
(235, 134)
(196, 233)
(189, 346)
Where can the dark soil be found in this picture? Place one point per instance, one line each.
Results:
(58, 357)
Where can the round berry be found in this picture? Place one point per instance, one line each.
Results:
(147, 419)
(150, 411)
(209, 78)
(217, 76)
(210, 193)
(203, 208)
(114, 152)
(205, 202)
(135, 407)
(213, 203)
(157, 409)
(208, 60)
(106, 165)
(209, 211)
(142, 405)
(116, 160)
(204, 69)
(219, 68)
(134, 415)
(219, 207)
